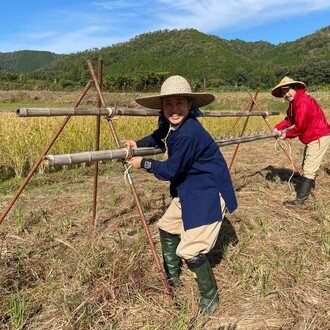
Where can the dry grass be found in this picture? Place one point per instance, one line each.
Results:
(271, 262)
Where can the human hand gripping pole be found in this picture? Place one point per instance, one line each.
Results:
(132, 161)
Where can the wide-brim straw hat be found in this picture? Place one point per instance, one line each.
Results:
(175, 85)
(286, 81)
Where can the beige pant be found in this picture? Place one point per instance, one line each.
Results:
(313, 155)
(193, 241)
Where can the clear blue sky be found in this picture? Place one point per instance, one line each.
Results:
(69, 26)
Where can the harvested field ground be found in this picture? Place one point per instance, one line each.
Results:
(59, 271)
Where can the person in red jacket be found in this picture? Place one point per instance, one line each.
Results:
(306, 120)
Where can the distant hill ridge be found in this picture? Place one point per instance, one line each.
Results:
(26, 60)
(207, 60)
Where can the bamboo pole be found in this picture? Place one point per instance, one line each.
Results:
(40, 159)
(94, 156)
(124, 153)
(97, 140)
(133, 188)
(238, 119)
(110, 112)
(242, 132)
(246, 139)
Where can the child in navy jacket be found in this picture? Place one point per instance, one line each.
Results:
(200, 185)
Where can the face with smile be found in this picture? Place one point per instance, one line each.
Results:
(288, 93)
(176, 108)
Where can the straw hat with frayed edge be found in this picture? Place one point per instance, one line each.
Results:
(286, 81)
(175, 85)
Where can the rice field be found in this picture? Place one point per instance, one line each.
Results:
(22, 140)
(60, 271)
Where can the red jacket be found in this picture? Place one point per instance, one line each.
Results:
(307, 117)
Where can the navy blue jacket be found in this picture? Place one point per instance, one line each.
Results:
(196, 170)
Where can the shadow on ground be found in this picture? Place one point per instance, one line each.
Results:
(227, 236)
(284, 174)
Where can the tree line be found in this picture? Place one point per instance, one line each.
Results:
(207, 61)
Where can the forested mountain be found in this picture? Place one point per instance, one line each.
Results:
(25, 60)
(307, 58)
(208, 61)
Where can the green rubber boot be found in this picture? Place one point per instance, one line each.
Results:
(206, 284)
(172, 263)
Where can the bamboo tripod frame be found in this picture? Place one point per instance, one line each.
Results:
(249, 108)
(97, 81)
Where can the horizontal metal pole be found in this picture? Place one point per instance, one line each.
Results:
(110, 112)
(105, 155)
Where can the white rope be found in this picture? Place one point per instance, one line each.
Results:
(111, 113)
(127, 150)
(127, 176)
(165, 156)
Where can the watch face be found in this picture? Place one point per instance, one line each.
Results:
(147, 165)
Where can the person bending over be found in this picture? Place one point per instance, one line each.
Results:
(200, 184)
(310, 125)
